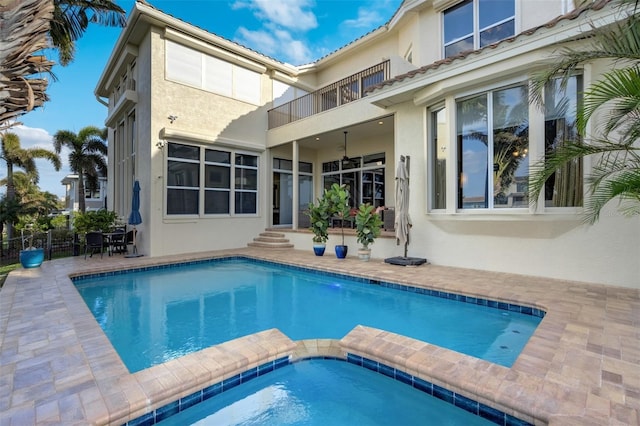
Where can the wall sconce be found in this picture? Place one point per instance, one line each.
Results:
(161, 143)
(172, 118)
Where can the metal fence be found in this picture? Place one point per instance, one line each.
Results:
(55, 243)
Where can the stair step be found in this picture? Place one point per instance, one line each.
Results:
(281, 245)
(271, 239)
(272, 234)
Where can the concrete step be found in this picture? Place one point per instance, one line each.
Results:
(272, 234)
(268, 239)
(282, 245)
(271, 240)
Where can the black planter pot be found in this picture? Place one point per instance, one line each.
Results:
(341, 251)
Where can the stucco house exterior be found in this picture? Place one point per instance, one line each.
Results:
(226, 142)
(94, 200)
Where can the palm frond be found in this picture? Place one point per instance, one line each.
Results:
(623, 186)
(621, 87)
(619, 42)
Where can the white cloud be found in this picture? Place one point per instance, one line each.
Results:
(275, 43)
(291, 14)
(367, 18)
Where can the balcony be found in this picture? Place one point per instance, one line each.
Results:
(342, 92)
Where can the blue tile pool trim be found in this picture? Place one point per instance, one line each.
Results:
(188, 401)
(460, 401)
(525, 310)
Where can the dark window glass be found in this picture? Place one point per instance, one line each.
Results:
(183, 174)
(216, 202)
(331, 166)
(246, 160)
(217, 176)
(565, 187)
(247, 179)
(305, 167)
(494, 11)
(214, 156)
(182, 201)
(497, 33)
(246, 202)
(458, 21)
(187, 152)
(374, 159)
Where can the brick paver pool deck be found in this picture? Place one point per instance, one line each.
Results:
(581, 367)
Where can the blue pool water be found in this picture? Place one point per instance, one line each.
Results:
(325, 392)
(154, 315)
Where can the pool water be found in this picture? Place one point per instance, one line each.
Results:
(154, 315)
(324, 392)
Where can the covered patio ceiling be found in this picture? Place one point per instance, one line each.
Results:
(383, 126)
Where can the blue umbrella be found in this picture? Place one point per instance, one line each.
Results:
(134, 217)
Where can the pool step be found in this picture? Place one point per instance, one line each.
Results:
(274, 240)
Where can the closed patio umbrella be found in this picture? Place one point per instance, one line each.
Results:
(134, 216)
(402, 220)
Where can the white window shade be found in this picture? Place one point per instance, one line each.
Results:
(183, 64)
(246, 85)
(218, 76)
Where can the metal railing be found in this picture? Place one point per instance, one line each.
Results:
(55, 244)
(339, 93)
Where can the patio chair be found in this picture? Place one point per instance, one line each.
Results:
(93, 241)
(117, 241)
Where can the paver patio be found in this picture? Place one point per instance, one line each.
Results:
(581, 367)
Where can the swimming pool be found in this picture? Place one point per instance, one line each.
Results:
(330, 392)
(160, 313)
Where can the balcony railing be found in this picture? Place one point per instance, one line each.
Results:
(339, 93)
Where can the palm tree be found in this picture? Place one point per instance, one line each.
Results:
(616, 170)
(71, 19)
(87, 157)
(14, 155)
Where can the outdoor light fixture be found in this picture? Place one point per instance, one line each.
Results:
(172, 118)
(345, 158)
(161, 143)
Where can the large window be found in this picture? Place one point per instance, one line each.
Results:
(363, 175)
(216, 191)
(438, 153)
(473, 24)
(493, 147)
(564, 188)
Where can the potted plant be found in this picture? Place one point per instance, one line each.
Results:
(319, 217)
(30, 256)
(368, 226)
(338, 202)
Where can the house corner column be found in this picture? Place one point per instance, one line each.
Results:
(296, 186)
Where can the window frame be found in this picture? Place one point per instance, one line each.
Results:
(202, 187)
(536, 144)
(489, 203)
(476, 31)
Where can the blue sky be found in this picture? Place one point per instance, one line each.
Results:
(293, 31)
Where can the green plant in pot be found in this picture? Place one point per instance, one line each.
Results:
(368, 228)
(338, 201)
(319, 217)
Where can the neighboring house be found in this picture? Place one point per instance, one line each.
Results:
(94, 200)
(226, 141)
